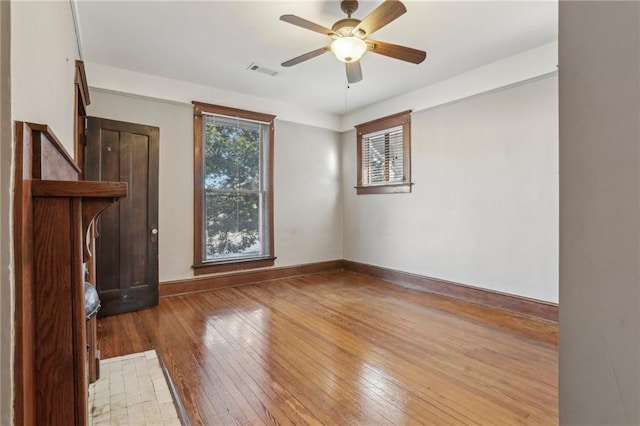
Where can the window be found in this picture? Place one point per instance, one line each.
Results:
(384, 155)
(233, 189)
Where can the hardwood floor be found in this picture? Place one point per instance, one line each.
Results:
(344, 348)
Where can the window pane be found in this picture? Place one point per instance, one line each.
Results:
(376, 160)
(232, 156)
(232, 225)
(382, 160)
(396, 168)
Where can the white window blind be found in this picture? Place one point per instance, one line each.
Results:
(382, 157)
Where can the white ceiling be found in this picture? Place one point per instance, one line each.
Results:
(213, 42)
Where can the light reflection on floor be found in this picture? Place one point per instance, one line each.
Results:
(340, 349)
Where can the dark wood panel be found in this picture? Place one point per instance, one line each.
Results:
(344, 348)
(108, 249)
(194, 285)
(127, 247)
(509, 302)
(61, 188)
(134, 224)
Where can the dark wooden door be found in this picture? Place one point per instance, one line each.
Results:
(127, 233)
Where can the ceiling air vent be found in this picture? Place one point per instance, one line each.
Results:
(263, 70)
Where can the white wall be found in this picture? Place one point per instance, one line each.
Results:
(484, 208)
(307, 197)
(117, 79)
(523, 66)
(42, 48)
(6, 241)
(599, 213)
(43, 54)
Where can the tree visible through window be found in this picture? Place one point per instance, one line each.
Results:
(234, 187)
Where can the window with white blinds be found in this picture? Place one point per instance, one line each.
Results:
(384, 155)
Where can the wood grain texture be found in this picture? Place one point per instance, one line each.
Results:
(177, 401)
(50, 343)
(403, 53)
(81, 101)
(86, 189)
(59, 313)
(508, 302)
(81, 81)
(215, 268)
(517, 304)
(48, 162)
(194, 285)
(127, 249)
(24, 373)
(345, 348)
(50, 143)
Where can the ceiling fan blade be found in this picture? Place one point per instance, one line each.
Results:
(300, 22)
(354, 72)
(403, 53)
(381, 16)
(306, 56)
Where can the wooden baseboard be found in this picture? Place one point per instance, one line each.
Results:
(234, 279)
(508, 302)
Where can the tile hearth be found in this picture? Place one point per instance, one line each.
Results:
(131, 391)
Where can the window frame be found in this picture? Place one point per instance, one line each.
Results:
(201, 266)
(400, 119)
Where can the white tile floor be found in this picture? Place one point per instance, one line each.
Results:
(131, 391)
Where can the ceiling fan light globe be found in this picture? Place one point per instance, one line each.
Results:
(348, 49)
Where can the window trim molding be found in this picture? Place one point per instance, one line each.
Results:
(200, 266)
(402, 118)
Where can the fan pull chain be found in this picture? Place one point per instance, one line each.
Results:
(346, 89)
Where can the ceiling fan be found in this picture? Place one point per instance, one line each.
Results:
(350, 37)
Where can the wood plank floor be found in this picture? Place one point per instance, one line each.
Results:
(347, 349)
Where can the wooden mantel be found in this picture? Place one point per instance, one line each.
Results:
(53, 211)
(96, 197)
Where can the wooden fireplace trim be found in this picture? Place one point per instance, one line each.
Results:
(52, 212)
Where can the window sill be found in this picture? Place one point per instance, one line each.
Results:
(402, 188)
(233, 265)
